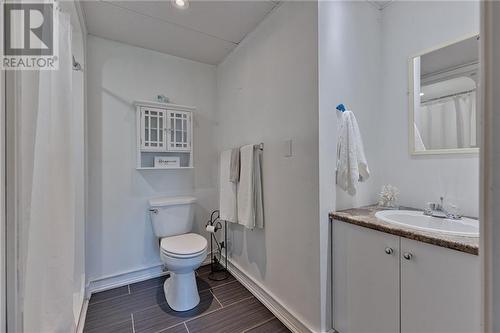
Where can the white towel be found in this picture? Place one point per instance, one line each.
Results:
(258, 187)
(227, 195)
(250, 203)
(234, 175)
(352, 166)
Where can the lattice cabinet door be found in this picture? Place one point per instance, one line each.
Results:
(153, 129)
(178, 131)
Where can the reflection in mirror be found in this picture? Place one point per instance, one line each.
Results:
(443, 100)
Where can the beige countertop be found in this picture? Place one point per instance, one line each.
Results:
(365, 217)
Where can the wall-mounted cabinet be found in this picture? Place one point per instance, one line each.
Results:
(385, 283)
(164, 136)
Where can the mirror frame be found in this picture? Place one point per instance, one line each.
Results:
(411, 100)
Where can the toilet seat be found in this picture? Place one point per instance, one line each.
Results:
(183, 246)
(181, 256)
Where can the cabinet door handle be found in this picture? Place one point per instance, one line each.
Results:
(389, 250)
(408, 255)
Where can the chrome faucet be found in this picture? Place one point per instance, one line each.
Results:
(438, 210)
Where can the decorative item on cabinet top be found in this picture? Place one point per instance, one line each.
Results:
(163, 130)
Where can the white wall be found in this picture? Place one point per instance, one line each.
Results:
(490, 162)
(495, 85)
(268, 92)
(119, 233)
(3, 326)
(410, 27)
(349, 73)
(364, 66)
(79, 158)
(78, 49)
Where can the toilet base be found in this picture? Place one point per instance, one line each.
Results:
(181, 291)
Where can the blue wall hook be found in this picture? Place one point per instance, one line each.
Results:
(341, 107)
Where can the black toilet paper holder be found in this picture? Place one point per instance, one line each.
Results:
(218, 265)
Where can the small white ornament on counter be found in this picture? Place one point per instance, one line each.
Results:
(388, 197)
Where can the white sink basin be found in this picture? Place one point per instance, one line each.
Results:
(417, 220)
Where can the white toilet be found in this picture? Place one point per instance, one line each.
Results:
(180, 250)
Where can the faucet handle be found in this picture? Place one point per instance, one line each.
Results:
(430, 207)
(453, 212)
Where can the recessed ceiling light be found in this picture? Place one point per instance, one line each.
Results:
(422, 94)
(181, 4)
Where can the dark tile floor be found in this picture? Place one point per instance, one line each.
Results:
(225, 307)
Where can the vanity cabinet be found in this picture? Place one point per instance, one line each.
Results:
(440, 289)
(366, 280)
(386, 283)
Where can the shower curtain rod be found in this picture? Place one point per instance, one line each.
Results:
(449, 96)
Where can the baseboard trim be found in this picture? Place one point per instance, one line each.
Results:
(289, 319)
(83, 315)
(122, 279)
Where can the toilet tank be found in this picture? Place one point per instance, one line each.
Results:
(172, 215)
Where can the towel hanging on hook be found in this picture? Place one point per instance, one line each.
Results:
(341, 107)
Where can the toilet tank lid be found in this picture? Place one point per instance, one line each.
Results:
(170, 201)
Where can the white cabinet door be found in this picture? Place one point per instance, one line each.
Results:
(179, 131)
(153, 127)
(366, 280)
(440, 289)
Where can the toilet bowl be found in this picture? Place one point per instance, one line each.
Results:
(180, 250)
(182, 254)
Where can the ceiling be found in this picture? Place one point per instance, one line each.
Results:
(444, 88)
(381, 4)
(206, 31)
(450, 57)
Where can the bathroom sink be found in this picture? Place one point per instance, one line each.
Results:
(417, 220)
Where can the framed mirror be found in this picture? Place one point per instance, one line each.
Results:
(443, 99)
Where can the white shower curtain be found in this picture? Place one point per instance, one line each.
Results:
(46, 256)
(465, 105)
(449, 123)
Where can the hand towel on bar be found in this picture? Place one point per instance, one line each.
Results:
(234, 175)
(258, 187)
(227, 189)
(250, 199)
(352, 166)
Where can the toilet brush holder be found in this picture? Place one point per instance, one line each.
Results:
(218, 264)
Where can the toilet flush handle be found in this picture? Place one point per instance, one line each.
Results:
(153, 210)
